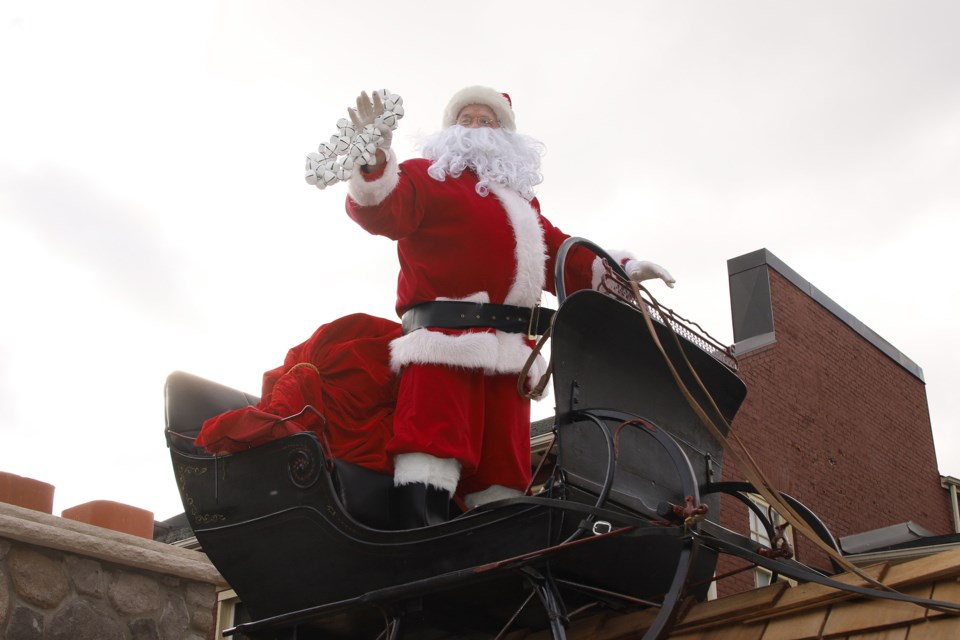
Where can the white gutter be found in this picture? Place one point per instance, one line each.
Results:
(896, 556)
(951, 483)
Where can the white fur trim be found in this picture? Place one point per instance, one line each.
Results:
(479, 296)
(473, 350)
(490, 494)
(597, 266)
(512, 352)
(442, 473)
(368, 193)
(494, 353)
(480, 95)
(530, 250)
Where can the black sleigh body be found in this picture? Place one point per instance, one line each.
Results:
(305, 539)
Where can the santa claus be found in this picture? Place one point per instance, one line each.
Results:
(475, 256)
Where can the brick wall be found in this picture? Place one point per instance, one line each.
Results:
(838, 424)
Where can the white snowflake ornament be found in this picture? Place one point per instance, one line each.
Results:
(358, 148)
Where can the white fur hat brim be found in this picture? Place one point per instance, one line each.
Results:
(486, 96)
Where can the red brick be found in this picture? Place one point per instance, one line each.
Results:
(837, 424)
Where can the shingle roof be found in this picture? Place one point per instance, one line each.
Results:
(797, 612)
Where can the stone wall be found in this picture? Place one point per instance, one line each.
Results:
(63, 580)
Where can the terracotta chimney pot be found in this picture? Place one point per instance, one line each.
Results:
(113, 515)
(26, 492)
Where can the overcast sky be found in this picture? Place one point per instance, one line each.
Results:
(154, 216)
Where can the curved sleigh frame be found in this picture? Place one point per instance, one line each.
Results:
(622, 523)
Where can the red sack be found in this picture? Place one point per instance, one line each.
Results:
(342, 371)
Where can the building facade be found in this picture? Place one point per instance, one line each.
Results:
(835, 415)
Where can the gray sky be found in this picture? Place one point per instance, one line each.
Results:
(154, 217)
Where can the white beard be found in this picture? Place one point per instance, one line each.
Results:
(497, 156)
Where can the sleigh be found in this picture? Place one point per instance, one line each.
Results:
(625, 516)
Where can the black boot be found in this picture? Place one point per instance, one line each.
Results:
(418, 505)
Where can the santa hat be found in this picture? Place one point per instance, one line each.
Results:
(499, 102)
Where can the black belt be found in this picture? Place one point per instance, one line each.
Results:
(472, 315)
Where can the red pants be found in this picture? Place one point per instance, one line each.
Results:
(479, 420)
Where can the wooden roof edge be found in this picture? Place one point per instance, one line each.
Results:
(933, 568)
(743, 607)
(724, 609)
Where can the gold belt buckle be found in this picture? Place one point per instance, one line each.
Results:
(534, 322)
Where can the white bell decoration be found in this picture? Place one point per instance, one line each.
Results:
(392, 108)
(321, 173)
(326, 150)
(340, 144)
(325, 168)
(364, 145)
(345, 128)
(342, 173)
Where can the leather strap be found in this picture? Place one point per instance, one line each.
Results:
(739, 455)
(536, 392)
(474, 315)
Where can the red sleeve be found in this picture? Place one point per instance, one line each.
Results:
(385, 202)
(578, 268)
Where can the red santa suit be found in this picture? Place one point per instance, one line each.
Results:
(457, 397)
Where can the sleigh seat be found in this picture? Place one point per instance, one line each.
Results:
(190, 400)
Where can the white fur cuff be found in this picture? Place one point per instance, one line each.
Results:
(368, 193)
(490, 494)
(597, 267)
(442, 473)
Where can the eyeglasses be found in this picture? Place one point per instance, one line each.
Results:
(482, 121)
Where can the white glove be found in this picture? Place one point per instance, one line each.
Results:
(640, 270)
(372, 113)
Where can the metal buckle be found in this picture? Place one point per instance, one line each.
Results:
(601, 527)
(534, 322)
